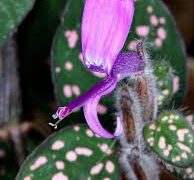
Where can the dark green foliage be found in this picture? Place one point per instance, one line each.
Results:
(164, 77)
(185, 173)
(154, 24)
(11, 14)
(171, 138)
(73, 153)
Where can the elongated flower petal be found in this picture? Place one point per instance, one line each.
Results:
(90, 112)
(89, 101)
(105, 26)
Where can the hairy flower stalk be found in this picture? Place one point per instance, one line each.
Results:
(105, 26)
(136, 104)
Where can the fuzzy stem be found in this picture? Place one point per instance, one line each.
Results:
(146, 87)
(133, 156)
(137, 105)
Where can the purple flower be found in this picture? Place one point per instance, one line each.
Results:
(105, 26)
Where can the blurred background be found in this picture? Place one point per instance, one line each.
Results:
(27, 97)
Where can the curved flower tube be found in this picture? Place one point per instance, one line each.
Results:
(89, 100)
(105, 26)
(104, 87)
(91, 113)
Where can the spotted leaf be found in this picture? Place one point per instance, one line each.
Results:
(171, 138)
(154, 24)
(11, 14)
(72, 153)
(164, 78)
(185, 173)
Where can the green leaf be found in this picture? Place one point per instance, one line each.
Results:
(72, 153)
(71, 78)
(154, 24)
(11, 14)
(164, 78)
(185, 173)
(171, 138)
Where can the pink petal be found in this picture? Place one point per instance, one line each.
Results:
(89, 100)
(90, 112)
(105, 26)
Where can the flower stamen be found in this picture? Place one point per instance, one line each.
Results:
(61, 113)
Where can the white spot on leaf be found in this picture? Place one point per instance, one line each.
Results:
(152, 127)
(162, 20)
(109, 167)
(76, 128)
(106, 178)
(60, 165)
(172, 127)
(39, 162)
(142, 31)
(181, 134)
(57, 69)
(68, 66)
(83, 151)
(132, 45)
(184, 155)
(57, 145)
(166, 152)
(71, 156)
(27, 178)
(162, 142)
(96, 169)
(76, 90)
(89, 133)
(72, 37)
(161, 32)
(60, 176)
(150, 9)
(154, 20)
(176, 82)
(105, 148)
(158, 42)
(67, 91)
(184, 147)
